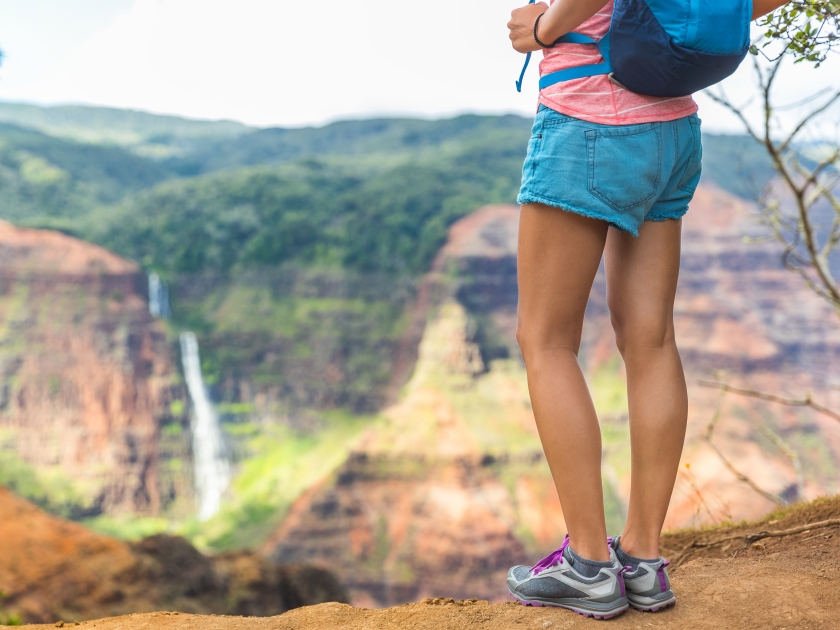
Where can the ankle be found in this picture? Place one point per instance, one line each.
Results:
(638, 547)
(586, 566)
(588, 551)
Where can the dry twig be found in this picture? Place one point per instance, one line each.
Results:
(749, 539)
(790, 402)
(775, 498)
(789, 452)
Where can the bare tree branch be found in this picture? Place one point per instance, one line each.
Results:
(804, 122)
(737, 473)
(790, 402)
(724, 101)
(792, 455)
(806, 246)
(751, 538)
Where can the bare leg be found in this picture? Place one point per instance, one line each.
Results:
(559, 254)
(641, 285)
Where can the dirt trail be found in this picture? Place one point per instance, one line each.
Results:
(781, 583)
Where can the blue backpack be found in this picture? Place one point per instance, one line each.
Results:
(665, 47)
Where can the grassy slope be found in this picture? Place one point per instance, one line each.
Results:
(277, 464)
(46, 488)
(283, 463)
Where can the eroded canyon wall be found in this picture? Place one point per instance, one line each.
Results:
(87, 378)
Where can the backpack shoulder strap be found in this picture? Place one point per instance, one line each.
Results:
(577, 72)
(525, 67)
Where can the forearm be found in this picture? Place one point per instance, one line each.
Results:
(564, 16)
(763, 7)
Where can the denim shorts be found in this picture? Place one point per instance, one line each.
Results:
(624, 175)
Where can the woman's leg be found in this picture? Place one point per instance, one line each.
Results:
(559, 254)
(641, 285)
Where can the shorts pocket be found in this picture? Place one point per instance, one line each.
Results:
(552, 118)
(694, 165)
(625, 164)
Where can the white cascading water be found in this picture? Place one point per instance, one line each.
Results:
(158, 297)
(212, 469)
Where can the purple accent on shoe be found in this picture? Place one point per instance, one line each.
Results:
(660, 572)
(552, 559)
(620, 576)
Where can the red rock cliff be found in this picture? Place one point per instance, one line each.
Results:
(86, 374)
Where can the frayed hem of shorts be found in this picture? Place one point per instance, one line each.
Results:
(589, 214)
(667, 216)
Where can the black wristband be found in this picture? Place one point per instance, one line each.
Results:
(537, 39)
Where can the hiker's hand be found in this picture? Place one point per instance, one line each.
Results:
(521, 27)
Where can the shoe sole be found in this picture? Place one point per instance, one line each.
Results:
(586, 613)
(652, 608)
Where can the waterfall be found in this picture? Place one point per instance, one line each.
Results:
(212, 470)
(158, 297)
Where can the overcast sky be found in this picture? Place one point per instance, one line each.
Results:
(285, 62)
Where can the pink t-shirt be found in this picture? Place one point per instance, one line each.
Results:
(597, 99)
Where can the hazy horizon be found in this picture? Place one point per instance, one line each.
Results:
(279, 64)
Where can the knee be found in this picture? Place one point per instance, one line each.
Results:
(536, 337)
(643, 331)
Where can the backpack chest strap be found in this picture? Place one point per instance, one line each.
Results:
(579, 72)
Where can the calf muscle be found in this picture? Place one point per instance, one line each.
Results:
(559, 254)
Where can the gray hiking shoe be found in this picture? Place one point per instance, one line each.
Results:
(553, 581)
(647, 582)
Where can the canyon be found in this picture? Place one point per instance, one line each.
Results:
(434, 484)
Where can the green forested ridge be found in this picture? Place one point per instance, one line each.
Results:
(464, 161)
(384, 137)
(369, 215)
(150, 133)
(42, 177)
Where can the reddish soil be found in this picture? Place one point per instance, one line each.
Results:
(51, 568)
(781, 583)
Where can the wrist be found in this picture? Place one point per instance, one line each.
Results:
(542, 36)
